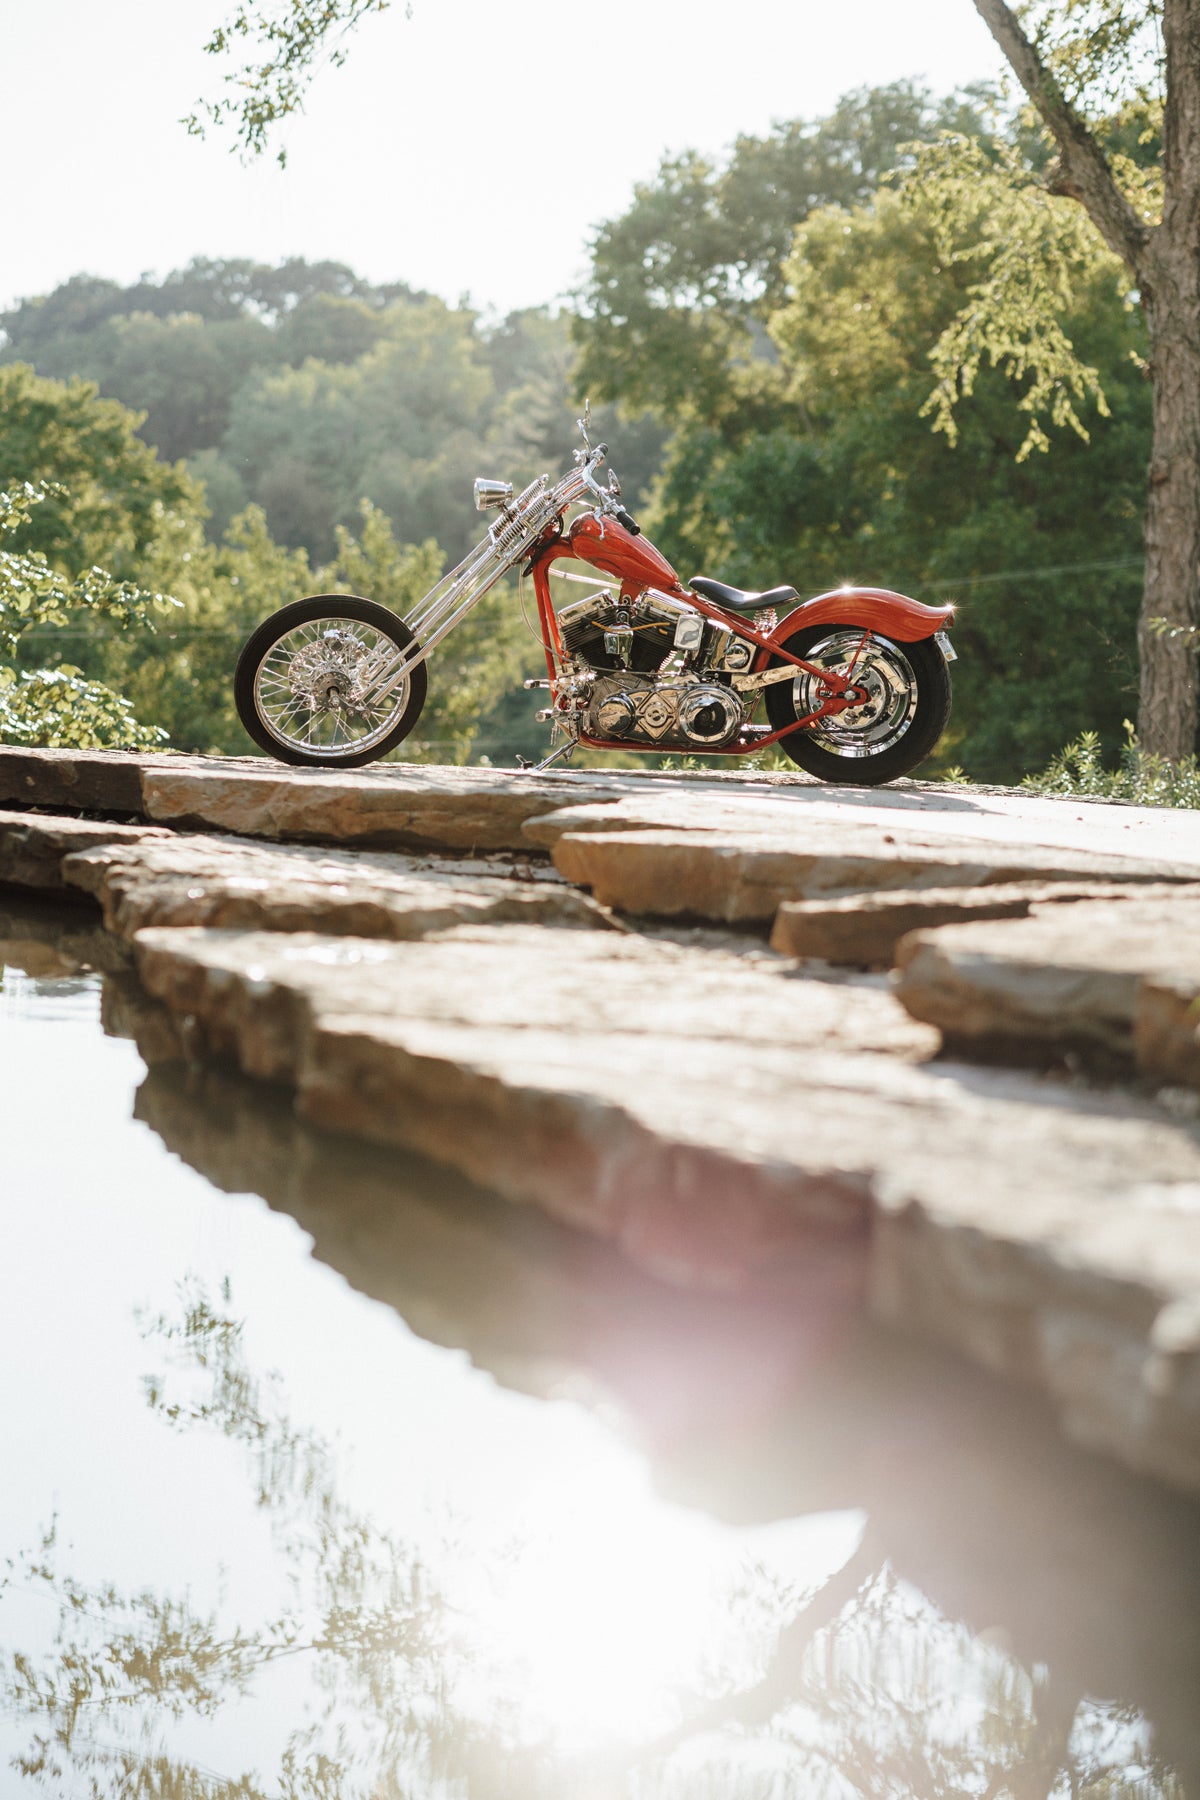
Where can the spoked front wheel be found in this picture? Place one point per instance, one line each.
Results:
(308, 682)
(903, 712)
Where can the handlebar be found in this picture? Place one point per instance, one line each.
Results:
(606, 502)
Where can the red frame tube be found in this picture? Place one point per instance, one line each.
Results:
(874, 609)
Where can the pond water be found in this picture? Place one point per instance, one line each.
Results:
(327, 1475)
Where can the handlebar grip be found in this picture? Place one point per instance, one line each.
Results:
(629, 522)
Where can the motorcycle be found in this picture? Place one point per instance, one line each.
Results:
(854, 684)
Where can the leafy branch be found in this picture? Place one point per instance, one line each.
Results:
(282, 49)
(1028, 257)
(61, 706)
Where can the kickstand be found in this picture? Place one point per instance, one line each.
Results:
(564, 753)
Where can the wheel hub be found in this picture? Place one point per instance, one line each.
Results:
(329, 673)
(880, 703)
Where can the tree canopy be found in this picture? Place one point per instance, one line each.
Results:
(801, 412)
(90, 661)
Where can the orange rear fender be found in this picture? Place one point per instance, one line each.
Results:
(875, 609)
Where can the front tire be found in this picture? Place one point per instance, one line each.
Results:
(904, 715)
(303, 683)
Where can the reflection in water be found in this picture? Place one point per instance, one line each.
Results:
(1013, 1618)
(125, 1663)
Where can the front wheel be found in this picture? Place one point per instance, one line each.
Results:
(901, 718)
(307, 680)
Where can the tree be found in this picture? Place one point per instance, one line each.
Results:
(405, 402)
(862, 490)
(673, 315)
(109, 498)
(181, 372)
(61, 706)
(1089, 67)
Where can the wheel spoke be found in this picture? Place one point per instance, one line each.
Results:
(307, 687)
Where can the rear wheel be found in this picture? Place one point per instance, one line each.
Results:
(903, 713)
(306, 682)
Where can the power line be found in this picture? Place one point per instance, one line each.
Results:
(1047, 569)
(56, 633)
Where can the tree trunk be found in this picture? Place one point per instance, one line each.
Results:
(1165, 265)
(1168, 275)
(1167, 710)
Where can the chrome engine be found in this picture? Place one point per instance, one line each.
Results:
(670, 711)
(633, 684)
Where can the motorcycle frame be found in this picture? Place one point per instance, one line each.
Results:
(636, 562)
(530, 529)
(561, 549)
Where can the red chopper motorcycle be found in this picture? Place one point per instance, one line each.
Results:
(854, 683)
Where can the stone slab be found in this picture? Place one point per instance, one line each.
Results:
(33, 845)
(1063, 981)
(387, 805)
(184, 879)
(744, 876)
(1166, 1026)
(392, 806)
(104, 781)
(1163, 841)
(396, 805)
(862, 930)
(727, 1123)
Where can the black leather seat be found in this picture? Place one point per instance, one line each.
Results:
(737, 599)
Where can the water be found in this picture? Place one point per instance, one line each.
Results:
(326, 1475)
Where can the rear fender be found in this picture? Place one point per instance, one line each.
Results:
(876, 609)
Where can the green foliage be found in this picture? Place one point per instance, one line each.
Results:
(407, 402)
(181, 372)
(1079, 771)
(61, 707)
(1106, 56)
(183, 677)
(303, 389)
(400, 426)
(280, 49)
(213, 289)
(109, 498)
(1022, 251)
(802, 450)
(683, 282)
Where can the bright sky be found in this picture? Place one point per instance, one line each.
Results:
(470, 148)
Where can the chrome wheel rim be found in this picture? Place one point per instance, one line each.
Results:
(313, 688)
(890, 689)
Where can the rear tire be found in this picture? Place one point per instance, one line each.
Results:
(888, 736)
(299, 675)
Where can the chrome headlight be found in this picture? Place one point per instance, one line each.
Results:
(491, 493)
